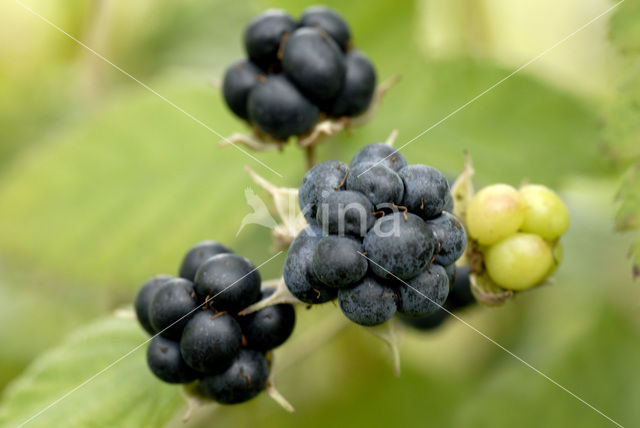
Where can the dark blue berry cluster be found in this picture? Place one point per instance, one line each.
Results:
(381, 237)
(197, 332)
(298, 72)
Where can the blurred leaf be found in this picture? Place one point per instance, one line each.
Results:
(628, 212)
(125, 195)
(593, 363)
(624, 30)
(125, 395)
(25, 309)
(622, 130)
(628, 197)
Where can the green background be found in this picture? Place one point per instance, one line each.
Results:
(103, 184)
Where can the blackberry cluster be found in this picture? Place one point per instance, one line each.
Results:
(197, 332)
(460, 297)
(374, 227)
(298, 72)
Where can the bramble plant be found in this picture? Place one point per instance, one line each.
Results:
(366, 238)
(380, 235)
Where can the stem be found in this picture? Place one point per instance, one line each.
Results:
(280, 295)
(273, 392)
(391, 139)
(310, 155)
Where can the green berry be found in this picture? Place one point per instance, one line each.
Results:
(545, 214)
(494, 213)
(519, 262)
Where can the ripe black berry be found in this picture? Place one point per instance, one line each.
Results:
(460, 295)
(197, 255)
(357, 89)
(172, 306)
(337, 261)
(380, 184)
(368, 303)
(399, 248)
(380, 153)
(277, 107)
(263, 36)
(239, 79)
(425, 293)
(329, 21)
(269, 327)
(244, 379)
(298, 273)
(143, 300)
(425, 190)
(429, 322)
(345, 212)
(324, 178)
(451, 236)
(211, 341)
(314, 62)
(230, 281)
(451, 273)
(165, 361)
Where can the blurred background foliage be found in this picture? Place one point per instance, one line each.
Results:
(103, 184)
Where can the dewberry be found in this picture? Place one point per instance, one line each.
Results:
(368, 303)
(425, 190)
(380, 153)
(239, 79)
(229, 281)
(244, 379)
(314, 62)
(172, 306)
(345, 212)
(165, 361)
(143, 300)
(211, 341)
(329, 21)
(277, 108)
(424, 294)
(318, 182)
(337, 261)
(197, 255)
(380, 184)
(357, 88)
(298, 273)
(399, 245)
(269, 327)
(451, 236)
(263, 36)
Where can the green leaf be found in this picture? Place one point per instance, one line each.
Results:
(628, 212)
(125, 395)
(628, 197)
(24, 308)
(622, 130)
(122, 197)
